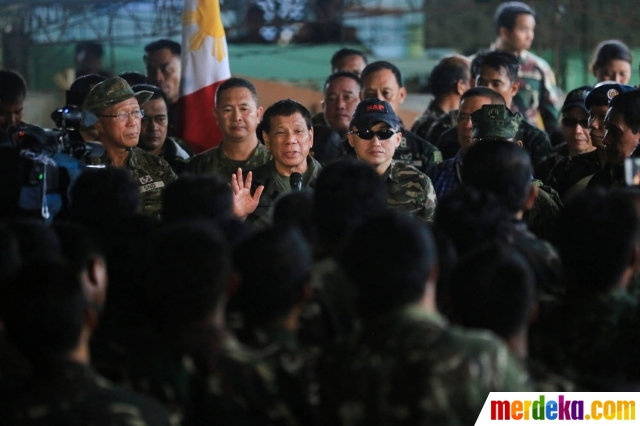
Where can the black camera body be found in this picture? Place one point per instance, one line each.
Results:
(37, 166)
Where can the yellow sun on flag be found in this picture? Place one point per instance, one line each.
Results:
(207, 17)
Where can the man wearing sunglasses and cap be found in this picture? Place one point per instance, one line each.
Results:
(119, 116)
(374, 135)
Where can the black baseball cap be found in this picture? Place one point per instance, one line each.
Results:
(372, 111)
(576, 98)
(601, 95)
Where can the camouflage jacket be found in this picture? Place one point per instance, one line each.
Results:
(541, 218)
(72, 394)
(408, 367)
(561, 171)
(429, 117)
(266, 384)
(591, 339)
(150, 172)
(417, 152)
(267, 175)
(410, 191)
(214, 161)
(534, 141)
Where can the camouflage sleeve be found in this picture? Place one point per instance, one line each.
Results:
(430, 156)
(169, 174)
(539, 145)
(548, 100)
(430, 201)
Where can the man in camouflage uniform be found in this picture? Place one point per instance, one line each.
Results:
(118, 129)
(375, 136)
(537, 95)
(48, 318)
(407, 365)
(238, 115)
(592, 337)
(288, 136)
(382, 80)
(449, 79)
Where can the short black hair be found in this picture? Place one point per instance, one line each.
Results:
(470, 216)
(44, 310)
(484, 92)
(35, 239)
(207, 197)
(608, 51)
(81, 87)
(164, 43)
(389, 259)
(496, 59)
(235, 82)
(595, 235)
(196, 256)
(133, 78)
(13, 88)
(102, 196)
(294, 209)
(343, 53)
(274, 278)
(493, 288)
(507, 13)
(340, 74)
(500, 167)
(78, 245)
(445, 75)
(157, 92)
(92, 47)
(628, 105)
(285, 108)
(347, 194)
(382, 65)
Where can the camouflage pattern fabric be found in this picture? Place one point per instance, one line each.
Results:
(214, 161)
(544, 380)
(265, 385)
(72, 394)
(417, 152)
(537, 97)
(534, 141)
(423, 123)
(410, 191)
(495, 121)
(441, 125)
(591, 340)
(267, 175)
(409, 367)
(541, 218)
(561, 171)
(152, 173)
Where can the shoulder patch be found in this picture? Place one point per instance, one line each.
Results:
(145, 179)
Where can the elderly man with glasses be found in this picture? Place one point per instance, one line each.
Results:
(374, 135)
(119, 116)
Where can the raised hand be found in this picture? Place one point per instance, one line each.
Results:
(243, 203)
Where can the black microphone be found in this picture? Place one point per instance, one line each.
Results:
(295, 180)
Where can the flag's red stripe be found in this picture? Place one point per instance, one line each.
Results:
(196, 123)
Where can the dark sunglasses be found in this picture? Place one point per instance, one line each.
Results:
(381, 134)
(571, 122)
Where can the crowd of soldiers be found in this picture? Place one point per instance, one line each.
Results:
(333, 269)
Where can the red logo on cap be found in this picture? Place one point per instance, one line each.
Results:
(375, 107)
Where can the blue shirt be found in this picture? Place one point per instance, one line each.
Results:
(444, 176)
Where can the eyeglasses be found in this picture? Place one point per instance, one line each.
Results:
(382, 135)
(124, 116)
(571, 122)
(159, 119)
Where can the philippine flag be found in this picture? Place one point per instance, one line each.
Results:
(205, 64)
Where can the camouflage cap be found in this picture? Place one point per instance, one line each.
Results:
(372, 111)
(495, 121)
(110, 92)
(602, 94)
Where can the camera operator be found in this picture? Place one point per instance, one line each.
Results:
(119, 114)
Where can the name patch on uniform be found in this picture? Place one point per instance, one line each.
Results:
(151, 186)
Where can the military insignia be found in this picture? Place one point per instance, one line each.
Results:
(493, 113)
(403, 143)
(612, 93)
(151, 186)
(145, 179)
